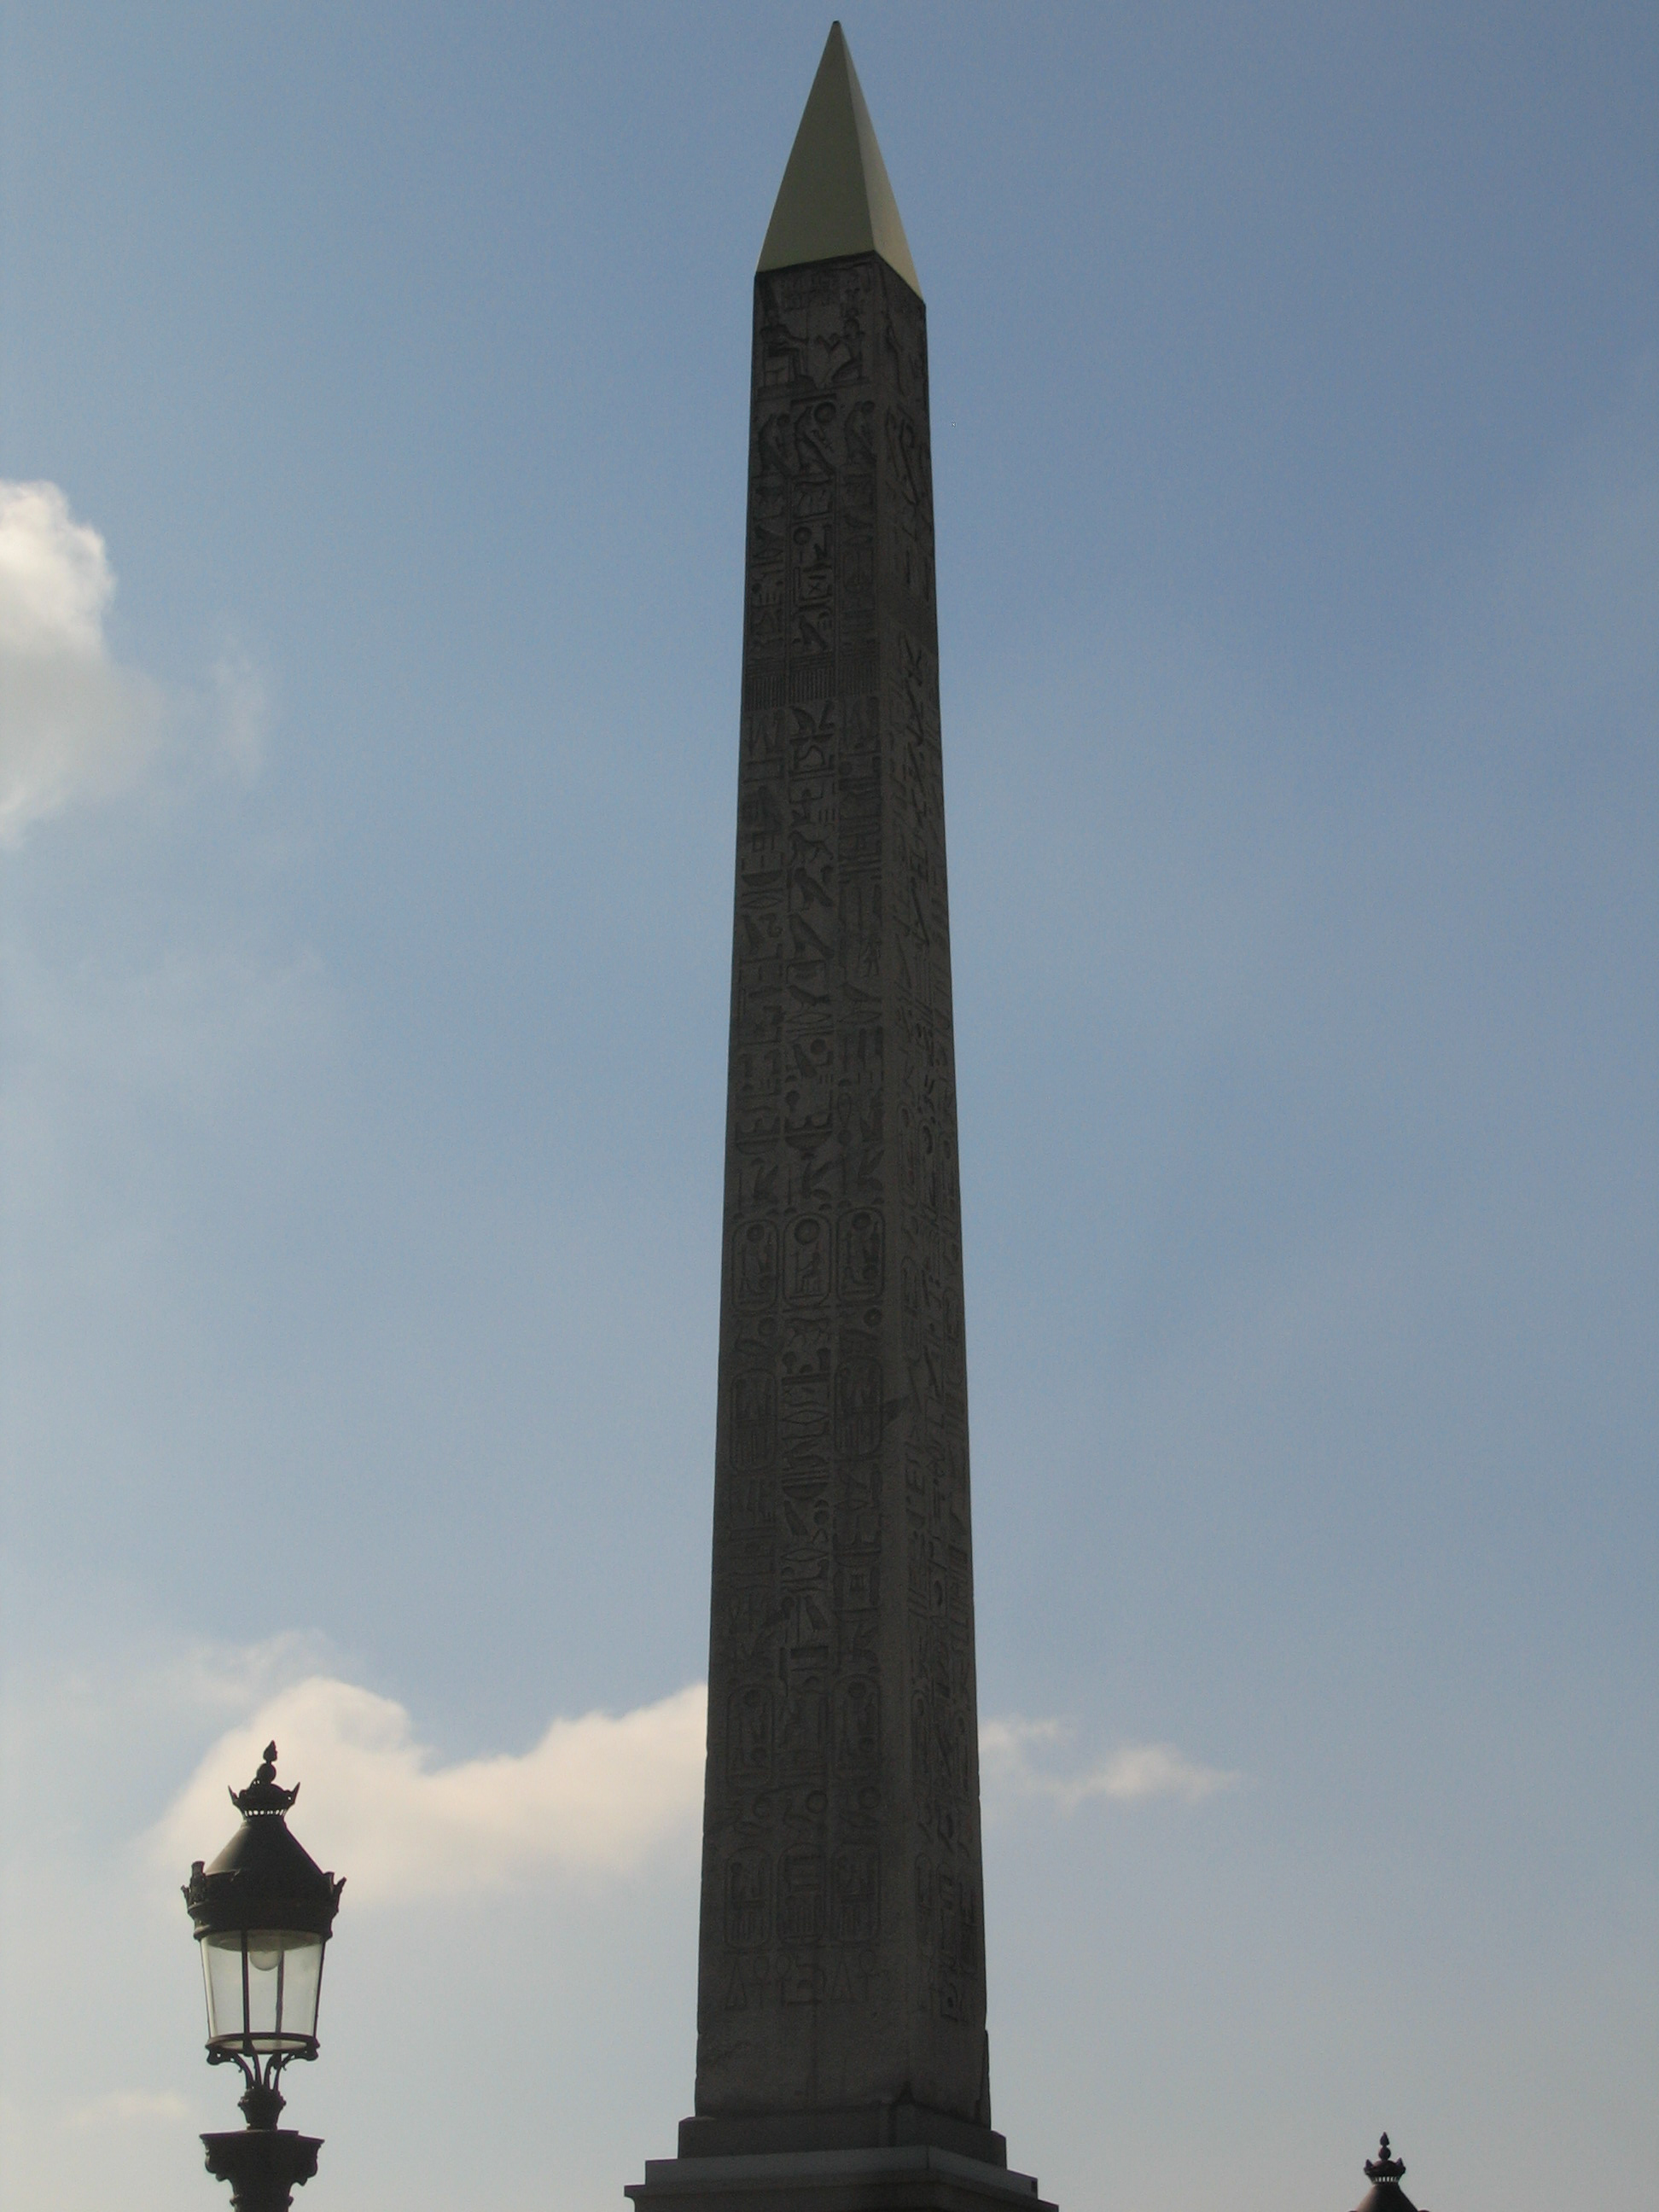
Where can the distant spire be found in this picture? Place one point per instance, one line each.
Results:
(835, 198)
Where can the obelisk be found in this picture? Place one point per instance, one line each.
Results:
(841, 2051)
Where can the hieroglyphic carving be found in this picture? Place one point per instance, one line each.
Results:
(841, 1832)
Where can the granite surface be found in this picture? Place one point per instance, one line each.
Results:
(841, 1971)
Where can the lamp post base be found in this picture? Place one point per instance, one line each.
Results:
(262, 2164)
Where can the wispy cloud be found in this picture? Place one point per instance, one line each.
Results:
(595, 1795)
(242, 698)
(185, 1026)
(122, 2107)
(46, 1716)
(1027, 1759)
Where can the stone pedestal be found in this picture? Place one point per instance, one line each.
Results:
(899, 2178)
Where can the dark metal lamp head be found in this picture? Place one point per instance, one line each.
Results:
(263, 1911)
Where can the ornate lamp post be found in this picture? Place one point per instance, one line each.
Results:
(264, 1912)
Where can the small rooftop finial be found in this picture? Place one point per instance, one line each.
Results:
(835, 198)
(1384, 2167)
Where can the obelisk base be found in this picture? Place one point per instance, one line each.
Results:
(893, 2124)
(900, 2178)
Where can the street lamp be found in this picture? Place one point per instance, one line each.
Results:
(264, 1912)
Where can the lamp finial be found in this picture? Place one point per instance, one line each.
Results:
(1384, 2167)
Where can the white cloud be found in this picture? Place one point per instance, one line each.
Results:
(55, 580)
(594, 1796)
(1016, 1761)
(75, 724)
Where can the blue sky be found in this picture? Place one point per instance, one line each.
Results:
(367, 791)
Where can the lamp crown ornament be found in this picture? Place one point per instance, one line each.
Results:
(1383, 2167)
(265, 1794)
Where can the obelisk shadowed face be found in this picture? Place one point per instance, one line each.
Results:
(842, 1964)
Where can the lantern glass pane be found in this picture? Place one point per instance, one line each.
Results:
(221, 1970)
(284, 1970)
